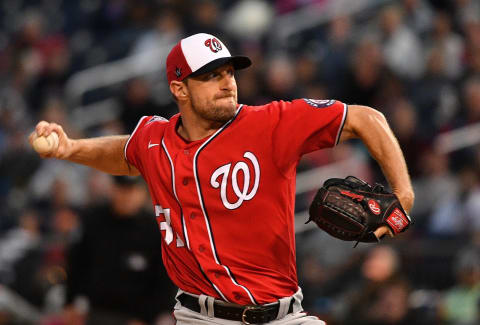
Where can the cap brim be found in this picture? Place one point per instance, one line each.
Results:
(239, 62)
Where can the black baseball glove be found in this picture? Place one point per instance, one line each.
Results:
(351, 209)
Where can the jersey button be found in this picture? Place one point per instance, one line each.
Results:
(201, 248)
(185, 181)
(192, 215)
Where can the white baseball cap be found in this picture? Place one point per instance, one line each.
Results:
(198, 54)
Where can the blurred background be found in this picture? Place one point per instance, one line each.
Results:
(97, 66)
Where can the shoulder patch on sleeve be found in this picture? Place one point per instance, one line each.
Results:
(156, 118)
(319, 103)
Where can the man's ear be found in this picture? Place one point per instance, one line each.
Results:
(179, 89)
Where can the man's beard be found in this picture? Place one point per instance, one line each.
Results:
(218, 113)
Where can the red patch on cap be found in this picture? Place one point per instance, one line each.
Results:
(397, 221)
(374, 207)
(177, 66)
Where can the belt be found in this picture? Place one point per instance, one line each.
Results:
(244, 314)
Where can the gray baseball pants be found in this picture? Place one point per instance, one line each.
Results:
(185, 316)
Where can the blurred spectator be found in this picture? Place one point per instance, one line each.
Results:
(110, 16)
(249, 92)
(99, 187)
(13, 106)
(471, 29)
(401, 48)
(450, 216)
(406, 127)
(382, 295)
(63, 229)
(17, 162)
(365, 75)
(51, 79)
(24, 49)
(250, 89)
(471, 93)
(249, 20)
(205, 18)
(435, 97)
(325, 273)
(116, 264)
(167, 30)
(56, 183)
(16, 245)
(34, 265)
(466, 10)
(137, 101)
(335, 60)
(434, 186)
(17, 165)
(307, 75)
(280, 79)
(418, 16)
(472, 198)
(461, 303)
(449, 44)
(54, 109)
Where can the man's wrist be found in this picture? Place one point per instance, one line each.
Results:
(406, 199)
(68, 150)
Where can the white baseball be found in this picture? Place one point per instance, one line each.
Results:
(45, 145)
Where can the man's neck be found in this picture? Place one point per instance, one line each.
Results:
(192, 128)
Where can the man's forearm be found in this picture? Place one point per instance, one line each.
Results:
(384, 148)
(372, 128)
(103, 153)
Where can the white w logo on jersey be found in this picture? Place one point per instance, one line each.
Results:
(242, 194)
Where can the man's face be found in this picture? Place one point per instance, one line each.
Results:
(213, 95)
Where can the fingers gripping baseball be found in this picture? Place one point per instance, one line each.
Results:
(50, 141)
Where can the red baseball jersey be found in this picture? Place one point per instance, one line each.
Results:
(225, 204)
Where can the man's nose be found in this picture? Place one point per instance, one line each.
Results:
(228, 82)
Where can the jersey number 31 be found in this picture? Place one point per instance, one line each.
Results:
(165, 225)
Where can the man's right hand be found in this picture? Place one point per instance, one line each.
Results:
(65, 144)
(103, 153)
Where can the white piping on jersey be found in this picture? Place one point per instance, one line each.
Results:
(183, 217)
(131, 136)
(344, 117)
(219, 292)
(205, 214)
(175, 193)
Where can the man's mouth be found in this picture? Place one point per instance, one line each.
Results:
(227, 96)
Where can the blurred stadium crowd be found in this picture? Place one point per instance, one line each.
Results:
(417, 61)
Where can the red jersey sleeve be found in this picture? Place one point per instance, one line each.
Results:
(305, 125)
(131, 150)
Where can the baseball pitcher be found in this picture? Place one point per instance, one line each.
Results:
(221, 177)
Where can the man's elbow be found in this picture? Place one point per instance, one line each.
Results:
(364, 118)
(371, 116)
(363, 121)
